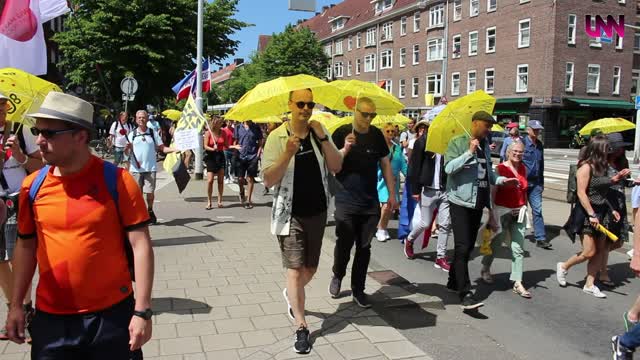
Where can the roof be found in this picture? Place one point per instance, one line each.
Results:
(223, 74)
(263, 41)
(353, 9)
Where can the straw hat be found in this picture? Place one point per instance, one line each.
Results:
(65, 107)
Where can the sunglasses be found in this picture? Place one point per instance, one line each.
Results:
(389, 131)
(301, 104)
(48, 134)
(368, 114)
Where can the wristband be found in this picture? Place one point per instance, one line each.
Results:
(326, 138)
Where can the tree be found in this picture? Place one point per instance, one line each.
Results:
(153, 39)
(294, 51)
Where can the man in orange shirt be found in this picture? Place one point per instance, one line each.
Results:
(71, 224)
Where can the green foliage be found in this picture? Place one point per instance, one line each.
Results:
(153, 39)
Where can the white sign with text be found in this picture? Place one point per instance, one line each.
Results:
(186, 139)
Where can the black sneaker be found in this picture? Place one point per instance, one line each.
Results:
(334, 287)
(362, 300)
(152, 216)
(302, 345)
(470, 303)
(544, 244)
(620, 352)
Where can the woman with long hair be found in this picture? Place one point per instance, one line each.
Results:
(215, 144)
(398, 165)
(592, 209)
(510, 208)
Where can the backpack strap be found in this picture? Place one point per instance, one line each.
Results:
(110, 172)
(37, 183)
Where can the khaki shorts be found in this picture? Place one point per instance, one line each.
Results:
(146, 181)
(301, 248)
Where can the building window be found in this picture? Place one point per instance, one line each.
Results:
(435, 49)
(473, 43)
(593, 79)
(568, 78)
(492, 5)
(370, 63)
(337, 25)
(349, 43)
(416, 54)
(327, 50)
(358, 65)
(635, 82)
(358, 40)
(471, 81)
(371, 37)
(338, 69)
(474, 8)
(416, 21)
(436, 16)
(339, 47)
(489, 76)
(636, 42)
(349, 68)
(522, 81)
(434, 84)
(455, 84)
(388, 85)
(403, 26)
(386, 59)
(457, 10)
(594, 42)
(618, 42)
(491, 40)
(457, 46)
(387, 31)
(329, 72)
(524, 33)
(402, 88)
(403, 57)
(616, 80)
(571, 35)
(383, 5)
(415, 87)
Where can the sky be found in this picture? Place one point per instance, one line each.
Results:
(268, 16)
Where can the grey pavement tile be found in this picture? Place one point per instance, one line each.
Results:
(201, 292)
(192, 274)
(212, 281)
(180, 346)
(223, 272)
(210, 313)
(159, 284)
(166, 275)
(223, 355)
(168, 357)
(161, 304)
(189, 304)
(200, 356)
(258, 338)
(204, 266)
(190, 260)
(271, 269)
(197, 328)
(242, 279)
(241, 311)
(265, 287)
(164, 331)
(13, 348)
(178, 268)
(286, 332)
(377, 334)
(221, 342)
(399, 349)
(357, 349)
(271, 321)
(340, 337)
(151, 348)
(327, 352)
(254, 298)
(169, 293)
(265, 278)
(233, 325)
(181, 284)
(15, 356)
(233, 290)
(248, 351)
(174, 316)
(274, 307)
(260, 355)
(214, 260)
(222, 300)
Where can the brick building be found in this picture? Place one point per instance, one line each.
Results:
(534, 56)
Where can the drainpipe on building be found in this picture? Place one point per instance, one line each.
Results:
(378, 60)
(445, 49)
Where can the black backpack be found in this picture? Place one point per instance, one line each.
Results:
(572, 184)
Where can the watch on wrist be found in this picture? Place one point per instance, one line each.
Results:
(145, 314)
(325, 138)
(593, 216)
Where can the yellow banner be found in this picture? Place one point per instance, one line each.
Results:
(192, 117)
(428, 100)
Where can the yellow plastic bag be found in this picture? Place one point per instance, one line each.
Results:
(485, 246)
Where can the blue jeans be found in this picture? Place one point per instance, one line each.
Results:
(535, 201)
(631, 339)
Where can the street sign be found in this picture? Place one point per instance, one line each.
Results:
(637, 102)
(126, 97)
(129, 86)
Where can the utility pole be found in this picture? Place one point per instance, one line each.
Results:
(199, 169)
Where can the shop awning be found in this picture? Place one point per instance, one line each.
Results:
(599, 103)
(513, 100)
(504, 112)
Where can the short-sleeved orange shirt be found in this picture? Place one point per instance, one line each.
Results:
(81, 258)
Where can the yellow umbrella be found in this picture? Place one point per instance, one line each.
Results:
(171, 114)
(607, 126)
(272, 97)
(497, 128)
(455, 119)
(268, 119)
(346, 93)
(25, 92)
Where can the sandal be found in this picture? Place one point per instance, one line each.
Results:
(486, 276)
(520, 290)
(209, 207)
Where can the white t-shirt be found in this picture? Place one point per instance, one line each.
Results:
(13, 172)
(121, 139)
(411, 143)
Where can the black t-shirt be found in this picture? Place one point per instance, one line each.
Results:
(359, 174)
(309, 198)
(484, 196)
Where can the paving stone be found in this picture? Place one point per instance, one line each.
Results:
(214, 313)
(240, 311)
(357, 349)
(258, 338)
(212, 282)
(399, 349)
(190, 274)
(378, 334)
(271, 321)
(180, 346)
(197, 328)
(327, 352)
(255, 298)
(191, 303)
(196, 291)
(151, 348)
(223, 355)
(222, 300)
(221, 342)
(182, 284)
(233, 290)
(200, 356)
(233, 325)
(243, 279)
(175, 316)
(164, 331)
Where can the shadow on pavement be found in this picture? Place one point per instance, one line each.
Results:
(178, 306)
(185, 221)
(184, 241)
(255, 204)
(501, 282)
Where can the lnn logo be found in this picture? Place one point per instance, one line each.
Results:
(604, 29)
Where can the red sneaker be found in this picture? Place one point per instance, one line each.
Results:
(408, 249)
(442, 263)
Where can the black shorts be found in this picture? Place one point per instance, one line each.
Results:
(246, 168)
(215, 161)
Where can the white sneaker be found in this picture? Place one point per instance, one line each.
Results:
(561, 274)
(595, 291)
(386, 235)
(630, 254)
(380, 236)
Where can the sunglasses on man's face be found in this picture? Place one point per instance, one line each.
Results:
(301, 104)
(370, 115)
(389, 131)
(48, 134)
